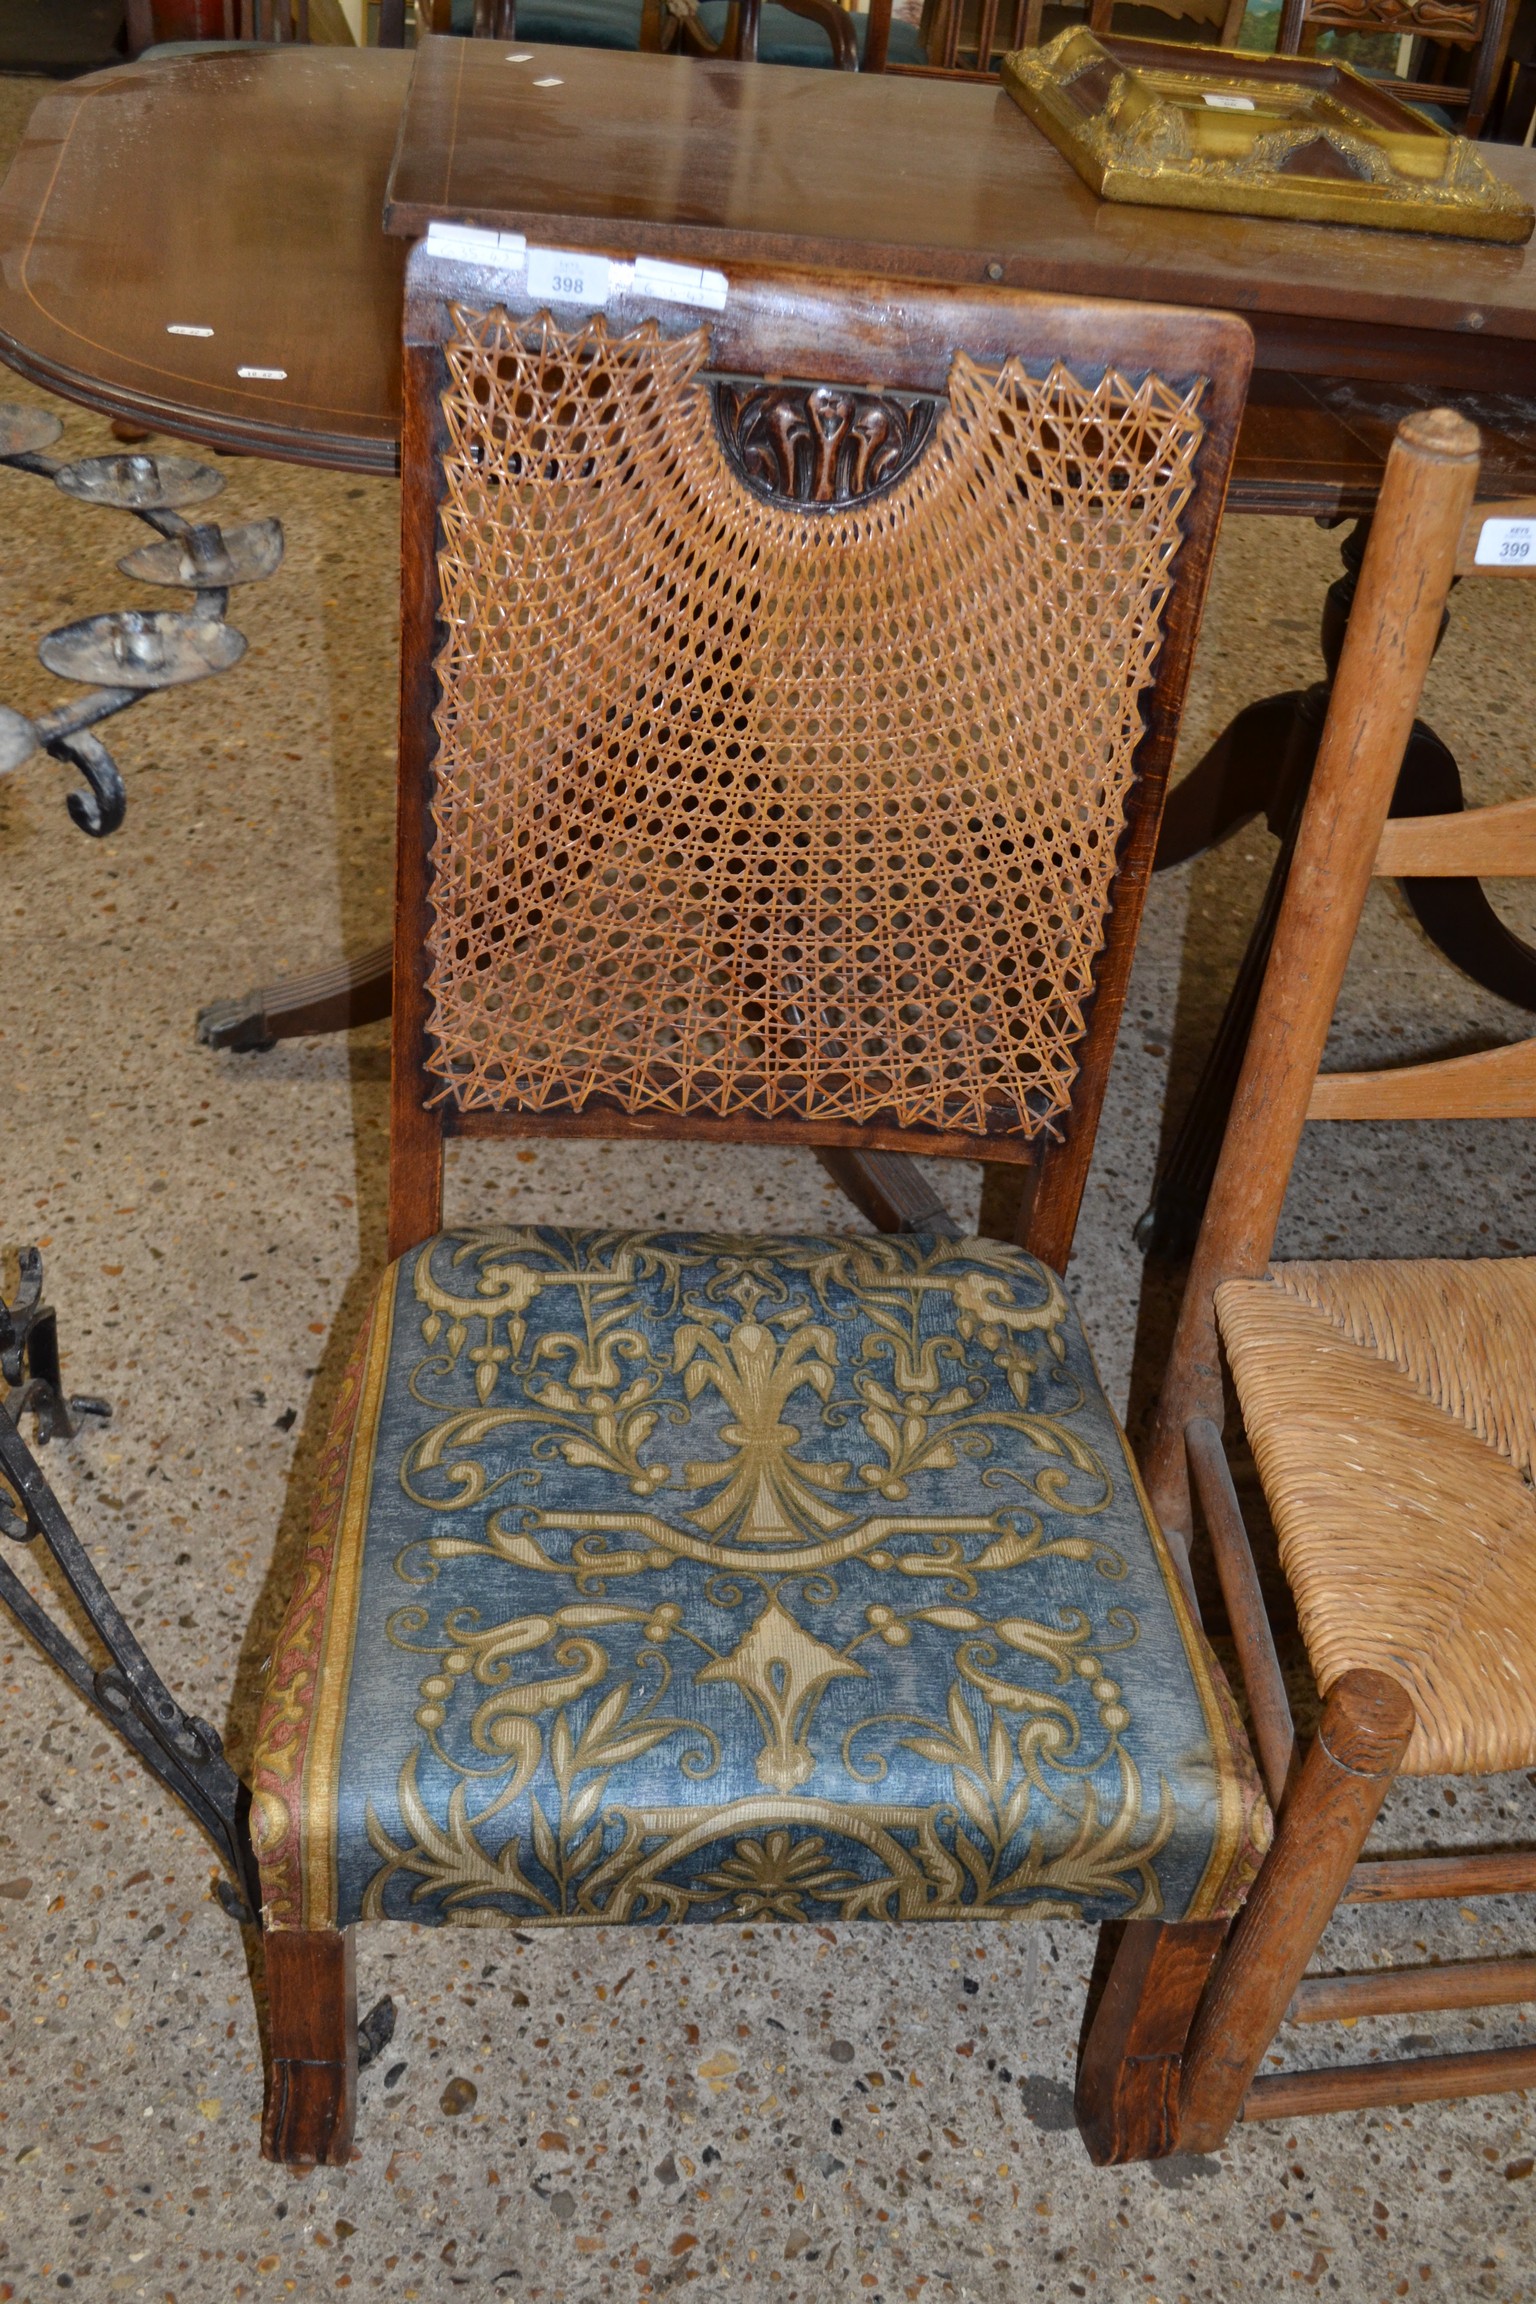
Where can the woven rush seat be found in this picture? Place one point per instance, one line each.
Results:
(675, 1577)
(1391, 1408)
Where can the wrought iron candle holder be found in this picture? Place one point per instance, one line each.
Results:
(184, 1752)
(126, 655)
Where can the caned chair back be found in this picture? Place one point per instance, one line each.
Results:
(789, 694)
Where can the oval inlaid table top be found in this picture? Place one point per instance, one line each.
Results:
(199, 242)
(238, 196)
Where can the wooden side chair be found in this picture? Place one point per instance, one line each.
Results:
(1482, 26)
(181, 27)
(973, 36)
(1390, 1406)
(790, 677)
(813, 34)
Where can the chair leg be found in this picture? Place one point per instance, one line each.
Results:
(1134, 2034)
(1367, 1721)
(312, 2048)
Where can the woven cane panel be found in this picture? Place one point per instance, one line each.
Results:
(1408, 1540)
(752, 808)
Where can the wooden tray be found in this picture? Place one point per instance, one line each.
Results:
(1162, 125)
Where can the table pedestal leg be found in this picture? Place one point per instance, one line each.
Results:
(1171, 1222)
(331, 1000)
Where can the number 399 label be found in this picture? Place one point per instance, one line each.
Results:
(1506, 544)
(565, 277)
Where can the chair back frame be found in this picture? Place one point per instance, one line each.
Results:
(873, 337)
(1394, 625)
(1484, 26)
(970, 41)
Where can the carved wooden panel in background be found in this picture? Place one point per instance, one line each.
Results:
(1435, 19)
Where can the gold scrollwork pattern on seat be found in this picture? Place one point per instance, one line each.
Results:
(690, 1577)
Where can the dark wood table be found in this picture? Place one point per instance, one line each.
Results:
(245, 193)
(930, 179)
(241, 193)
(252, 186)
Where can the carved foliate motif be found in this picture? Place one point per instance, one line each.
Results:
(819, 444)
(1436, 19)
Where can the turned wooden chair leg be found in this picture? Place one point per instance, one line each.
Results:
(1134, 2034)
(1367, 1721)
(312, 2053)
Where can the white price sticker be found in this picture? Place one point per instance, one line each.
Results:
(1228, 103)
(565, 277)
(1506, 544)
(679, 283)
(468, 244)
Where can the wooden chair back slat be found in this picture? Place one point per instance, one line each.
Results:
(1483, 26)
(1495, 843)
(1394, 626)
(1492, 1084)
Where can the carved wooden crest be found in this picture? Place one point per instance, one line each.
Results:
(1443, 18)
(820, 443)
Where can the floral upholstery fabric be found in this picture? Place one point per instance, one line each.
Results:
(672, 1577)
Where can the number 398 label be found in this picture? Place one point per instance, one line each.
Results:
(565, 277)
(1506, 544)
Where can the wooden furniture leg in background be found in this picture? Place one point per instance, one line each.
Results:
(331, 1000)
(311, 2099)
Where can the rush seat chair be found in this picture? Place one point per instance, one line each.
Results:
(1388, 1404)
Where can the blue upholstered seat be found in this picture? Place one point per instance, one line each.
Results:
(668, 1576)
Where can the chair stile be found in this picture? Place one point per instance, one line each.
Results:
(1332, 1366)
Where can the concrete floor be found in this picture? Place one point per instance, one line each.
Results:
(860, 2113)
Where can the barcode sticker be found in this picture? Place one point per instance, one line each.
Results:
(1228, 103)
(469, 244)
(565, 276)
(1506, 544)
(680, 283)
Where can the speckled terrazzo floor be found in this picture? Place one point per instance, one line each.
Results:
(753, 2112)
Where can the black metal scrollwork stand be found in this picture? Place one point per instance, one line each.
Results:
(127, 1692)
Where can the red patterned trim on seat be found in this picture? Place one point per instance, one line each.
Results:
(1222, 1892)
(1246, 1826)
(286, 1724)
